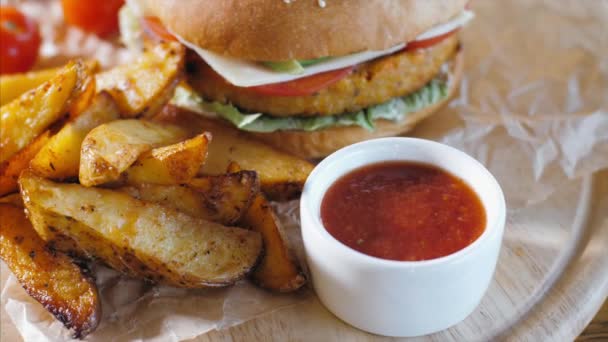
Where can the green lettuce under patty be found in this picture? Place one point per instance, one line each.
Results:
(395, 109)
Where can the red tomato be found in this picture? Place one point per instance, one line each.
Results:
(425, 43)
(19, 41)
(155, 30)
(99, 17)
(303, 86)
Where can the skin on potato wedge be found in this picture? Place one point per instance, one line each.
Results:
(60, 157)
(13, 199)
(56, 230)
(32, 113)
(172, 164)
(109, 149)
(51, 278)
(170, 247)
(282, 176)
(278, 270)
(143, 87)
(222, 199)
(14, 85)
(11, 169)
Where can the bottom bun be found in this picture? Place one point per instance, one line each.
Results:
(321, 143)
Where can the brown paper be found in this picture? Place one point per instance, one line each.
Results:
(533, 108)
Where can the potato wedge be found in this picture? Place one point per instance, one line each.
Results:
(221, 199)
(49, 277)
(10, 169)
(282, 176)
(172, 164)
(32, 113)
(55, 230)
(60, 157)
(14, 85)
(13, 199)
(109, 149)
(278, 270)
(170, 247)
(143, 87)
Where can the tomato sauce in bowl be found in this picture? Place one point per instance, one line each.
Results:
(404, 211)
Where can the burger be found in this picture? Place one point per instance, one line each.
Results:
(310, 76)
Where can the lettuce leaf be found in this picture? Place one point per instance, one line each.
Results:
(294, 66)
(395, 109)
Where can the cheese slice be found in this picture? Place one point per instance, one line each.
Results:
(246, 73)
(453, 24)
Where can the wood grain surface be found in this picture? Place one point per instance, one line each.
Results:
(597, 330)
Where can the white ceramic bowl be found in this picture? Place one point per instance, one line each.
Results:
(400, 298)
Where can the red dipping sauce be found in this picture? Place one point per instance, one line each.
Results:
(403, 211)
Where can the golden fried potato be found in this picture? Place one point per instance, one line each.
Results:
(14, 199)
(60, 157)
(158, 242)
(282, 176)
(49, 277)
(32, 113)
(221, 199)
(173, 164)
(278, 270)
(14, 85)
(56, 230)
(109, 149)
(143, 87)
(10, 169)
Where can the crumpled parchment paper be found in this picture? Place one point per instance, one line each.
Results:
(533, 108)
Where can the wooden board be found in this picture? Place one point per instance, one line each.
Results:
(598, 328)
(552, 275)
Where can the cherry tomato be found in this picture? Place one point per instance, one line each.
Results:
(155, 30)
(19, 41)
(95, 16)
(303, 86)
(425, 43)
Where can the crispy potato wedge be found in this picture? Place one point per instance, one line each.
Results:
(222, 199)
(13, 199)
(55, 230)
(282, 176)
(278, 270)
(60, 157)
(49, 277)
(172, 164)
(14, 85)
(160, 243)
(143, 87)
(109, 149)
(32, 113)
(10, 169)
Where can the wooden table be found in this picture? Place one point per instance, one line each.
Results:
(596, 331)
(598, 328)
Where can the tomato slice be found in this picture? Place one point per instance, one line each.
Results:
(425, 43)
(303, 86)
(155, 30)
(99, 17)
(19, 41)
